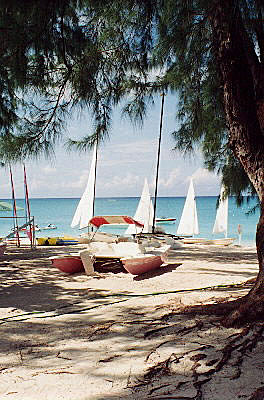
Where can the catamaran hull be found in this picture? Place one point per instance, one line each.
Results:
(165, 221)
(220, 242)
(140, 265)
(68, 264)
(217, 242)
(193, 240)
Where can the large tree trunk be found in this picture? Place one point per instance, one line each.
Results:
(243, 88)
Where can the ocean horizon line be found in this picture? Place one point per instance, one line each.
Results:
(119, 197)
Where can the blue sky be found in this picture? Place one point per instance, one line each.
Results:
(124, 160)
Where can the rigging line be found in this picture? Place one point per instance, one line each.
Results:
(26, 194)
(158, 162)
(31, 232)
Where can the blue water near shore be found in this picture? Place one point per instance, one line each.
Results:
(60, 211)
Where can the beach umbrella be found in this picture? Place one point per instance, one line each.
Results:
(4, 206)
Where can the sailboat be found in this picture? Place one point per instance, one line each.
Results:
(162, 220)
(189, 221)
(221, 221)
(144, 212)
(221, 218)
(85, 209)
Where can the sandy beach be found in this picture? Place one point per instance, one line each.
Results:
(118, 336)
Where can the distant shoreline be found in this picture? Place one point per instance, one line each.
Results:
(118, 197)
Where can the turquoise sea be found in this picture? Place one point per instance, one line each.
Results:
(59, 211)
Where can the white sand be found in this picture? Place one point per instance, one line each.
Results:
(86, 338)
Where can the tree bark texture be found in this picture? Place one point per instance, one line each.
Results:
(243, 86)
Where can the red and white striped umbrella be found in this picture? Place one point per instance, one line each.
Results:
(113, 219)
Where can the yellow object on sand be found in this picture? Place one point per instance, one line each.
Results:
(47, 241)
(56, 241)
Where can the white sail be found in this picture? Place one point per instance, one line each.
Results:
(144, 213)
(84, 210)
(221, 218)
(189, 222)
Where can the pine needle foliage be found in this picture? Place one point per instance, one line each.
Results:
(58, 56)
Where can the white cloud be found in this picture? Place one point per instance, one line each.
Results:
(202, 175)
(127, 181)
(134, 147)
(48, 170)
(172, 179)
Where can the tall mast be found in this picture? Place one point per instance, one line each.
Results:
(28, 216)
(14, 207)
(94, 189)
(158, 162)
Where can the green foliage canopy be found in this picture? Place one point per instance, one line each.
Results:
(57, 56)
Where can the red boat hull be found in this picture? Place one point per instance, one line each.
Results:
(68, 264)
(139, 265)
